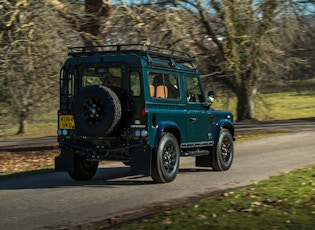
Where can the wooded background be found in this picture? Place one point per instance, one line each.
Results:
(241, 47)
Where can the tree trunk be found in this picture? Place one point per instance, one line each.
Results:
(245, 104)
(97, 11)
(22, 126)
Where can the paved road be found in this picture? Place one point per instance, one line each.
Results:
(304, 124)
(28, 142)
(52, 201)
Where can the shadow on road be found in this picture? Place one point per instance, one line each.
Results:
(194, 170)
(105, 178)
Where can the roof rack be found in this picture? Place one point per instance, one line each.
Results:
(152, 52)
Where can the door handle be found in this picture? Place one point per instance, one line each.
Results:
(193, 119)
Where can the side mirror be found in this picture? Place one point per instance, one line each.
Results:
(211, 94)
(210, 97)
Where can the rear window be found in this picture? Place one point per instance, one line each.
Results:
(107, 76)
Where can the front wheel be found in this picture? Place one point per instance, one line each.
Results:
(165, 162)
(224, 152)
(84, 169)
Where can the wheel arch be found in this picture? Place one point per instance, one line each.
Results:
(167, 126)
(223, 124)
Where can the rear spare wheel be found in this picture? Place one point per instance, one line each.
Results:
(96, 111)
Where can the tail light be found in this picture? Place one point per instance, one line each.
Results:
(144, 112)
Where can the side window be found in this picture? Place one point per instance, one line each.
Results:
(194, 93)
(171, 82)
(163, 85)
(135, 84)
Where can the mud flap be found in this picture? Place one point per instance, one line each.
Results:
(205, 160)
(65, 161)
(140, 161)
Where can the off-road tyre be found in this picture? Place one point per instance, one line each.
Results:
(165, 162)
(224, 151)
(84, 169)
(96, 111)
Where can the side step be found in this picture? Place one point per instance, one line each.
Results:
(195, 153)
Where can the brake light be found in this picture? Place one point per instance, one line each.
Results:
(144, 112)
(59, 112)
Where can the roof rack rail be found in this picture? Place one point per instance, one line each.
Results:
(152, 52)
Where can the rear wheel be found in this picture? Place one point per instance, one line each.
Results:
(84, 169)
(165, 160)
(224, 152)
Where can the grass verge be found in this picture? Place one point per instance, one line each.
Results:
(283, 202)
(270, 106)
(275, 106)
(251, 136)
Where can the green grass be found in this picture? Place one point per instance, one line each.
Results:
(297, 83)
(283, 202)
(44, 124)
(275, 106)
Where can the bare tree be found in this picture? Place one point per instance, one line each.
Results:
(252, 49)
(239, 43)
(152, 24)
(33, 43)
(303, 47)
(89, 22)
(241, 40)
(32, 46)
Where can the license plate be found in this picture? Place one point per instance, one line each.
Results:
(66, 122)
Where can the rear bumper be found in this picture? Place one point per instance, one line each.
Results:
(139, 156)
(63, 144)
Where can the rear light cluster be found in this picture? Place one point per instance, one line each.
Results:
(63, 132)
(141, 133)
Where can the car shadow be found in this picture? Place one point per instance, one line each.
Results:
(109, 177)
(104, 178)
(190, 170)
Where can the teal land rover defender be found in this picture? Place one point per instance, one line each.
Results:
(139, 104)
